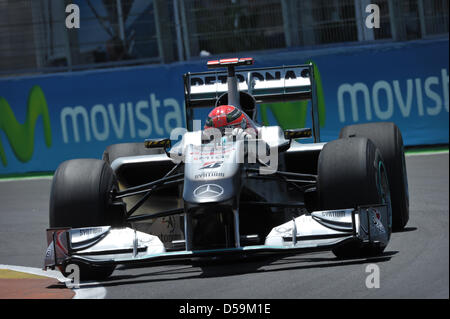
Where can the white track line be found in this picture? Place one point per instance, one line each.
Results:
(18, 179)
(426, 153)
(80, 293)
(90, 292)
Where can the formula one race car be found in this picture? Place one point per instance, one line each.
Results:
(218, 192)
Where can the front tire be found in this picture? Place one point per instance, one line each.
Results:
(351, 173)
(388, 139)
(80, 197)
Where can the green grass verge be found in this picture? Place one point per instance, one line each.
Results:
(427, 149)
(30, 175)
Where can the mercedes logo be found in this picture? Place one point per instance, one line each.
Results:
(208, 191)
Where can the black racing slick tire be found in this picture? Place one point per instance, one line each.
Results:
(388, 139)
(351, 173)
(80, 197)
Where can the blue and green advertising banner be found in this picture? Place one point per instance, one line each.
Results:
(47, 119)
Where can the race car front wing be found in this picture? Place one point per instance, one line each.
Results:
(319, 230)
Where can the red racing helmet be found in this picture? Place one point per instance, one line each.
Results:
(227, 116)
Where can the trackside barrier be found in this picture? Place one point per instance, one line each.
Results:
(47, 119)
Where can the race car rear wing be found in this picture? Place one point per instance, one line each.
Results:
(275, 84)
(266, 85)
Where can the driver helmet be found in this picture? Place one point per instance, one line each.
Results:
(227, 116)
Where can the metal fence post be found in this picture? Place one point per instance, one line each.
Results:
(392, 20)
(423, 26)
(364, 33)
(120, 21)
(290, 22)
(163, 32)
(398, 30)
(185, 30)
(67, 47)
(307, 23)
(286, 24)
(158, 31)
(178, 30)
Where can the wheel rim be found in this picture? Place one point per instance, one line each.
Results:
(405, 178)
(384, 191)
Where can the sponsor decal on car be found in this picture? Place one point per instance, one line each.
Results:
(208, 191)
(208, 165)
(334, 214)
(204, 175)
(90, 231)
(376, 219)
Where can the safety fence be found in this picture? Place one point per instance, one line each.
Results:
(34, 37)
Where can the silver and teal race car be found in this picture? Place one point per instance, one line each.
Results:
(281, 191)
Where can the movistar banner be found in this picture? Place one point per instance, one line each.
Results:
(45, 120)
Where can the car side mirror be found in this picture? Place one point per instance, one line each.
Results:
(164, 143)
(291, 134)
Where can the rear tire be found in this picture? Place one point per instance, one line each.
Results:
(388, 139)
(80, 197)
(349, 172)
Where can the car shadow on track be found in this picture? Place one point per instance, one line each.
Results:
(406, 229)
(286, 263)
(210, 269)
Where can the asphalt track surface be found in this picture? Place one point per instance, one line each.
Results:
(415, 263)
